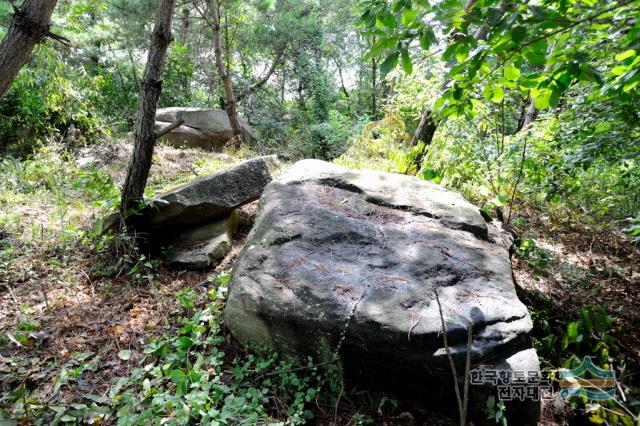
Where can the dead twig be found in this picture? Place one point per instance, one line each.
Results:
(414, 325)
(167, 129)
(462, 399)
(13, 296)
(93, 291)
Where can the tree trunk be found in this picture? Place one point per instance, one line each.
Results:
(374, 85)
(342, 86)
(185, 25)
(301, 101)
(29, 26)
(231, 107)
(529, 116)
(425, 132)
(151, 88)
(283, 86)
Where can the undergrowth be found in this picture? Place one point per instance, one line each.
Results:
(189, 375)
(564, 337)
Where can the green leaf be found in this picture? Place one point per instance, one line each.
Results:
(535, 58)
(487, 92)
(390, 42)
(425, 43)
(177, 376)
(572, 331)
(511, 72)
(389, 64)
(589, 73)
(518, 34)
(449, 51)
(124, 354)
(542, 100)
(407, 66)
(493, 93)
(536, 54)
(431, 175)
(586, 319)
(625, 55)
(408, 16)
(388, 20)
(427, 38)
(457, 92)
(554, 98)
(498, 94)
(185, 342)
(462, 52)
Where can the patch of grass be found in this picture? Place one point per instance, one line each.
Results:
(380, 146)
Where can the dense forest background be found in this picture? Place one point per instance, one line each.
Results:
(530, 109)
(313, 80)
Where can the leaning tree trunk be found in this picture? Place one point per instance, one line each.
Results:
(29, 26)
(531, 113)
(150, 90)
(231, 108)
(425, 132)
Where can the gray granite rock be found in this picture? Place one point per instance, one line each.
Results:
(203, 246)
(338, 251)
(203, 200)
(207, 129)
(213, 197)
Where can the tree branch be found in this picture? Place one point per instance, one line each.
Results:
(61, 39)
(160, 133)
(563, 29)
(258, 85)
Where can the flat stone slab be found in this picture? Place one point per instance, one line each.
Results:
(215, 196)
(202, 201)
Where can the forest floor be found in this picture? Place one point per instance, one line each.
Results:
(64, 323)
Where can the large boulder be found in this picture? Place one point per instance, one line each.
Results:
(208, 129)
(349, 262)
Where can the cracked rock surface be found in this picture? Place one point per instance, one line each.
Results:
(336, 250)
